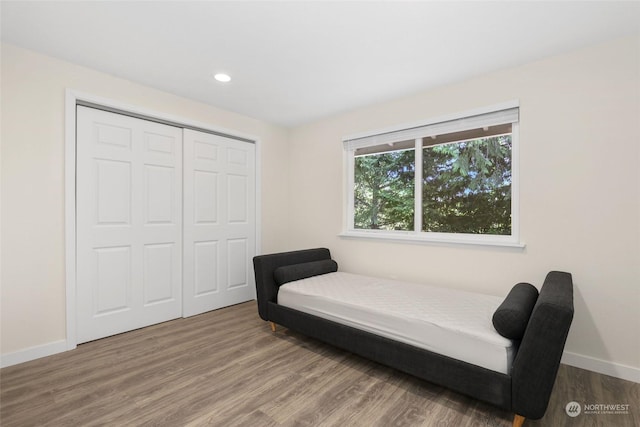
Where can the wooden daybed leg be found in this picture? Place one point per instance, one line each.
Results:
(518, 420)
(273, 326)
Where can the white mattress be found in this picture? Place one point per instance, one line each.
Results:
(445, 321)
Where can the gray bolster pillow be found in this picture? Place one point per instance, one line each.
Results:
(290, 273)
(511, 318)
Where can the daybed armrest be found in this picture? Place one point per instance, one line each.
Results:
(264, 266)
(536, 364)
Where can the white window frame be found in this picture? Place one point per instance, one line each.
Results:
(417, 131)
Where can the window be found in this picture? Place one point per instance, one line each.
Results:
(384, 190)
(450, 180)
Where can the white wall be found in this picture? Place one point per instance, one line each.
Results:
(33, 94)
(580, 190)
(580, 193)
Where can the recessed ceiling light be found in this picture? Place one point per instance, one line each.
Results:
(221, 77)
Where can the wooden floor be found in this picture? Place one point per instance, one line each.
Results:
(226, 368)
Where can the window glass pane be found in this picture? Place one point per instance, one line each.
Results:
(384, 190)
(467, 186)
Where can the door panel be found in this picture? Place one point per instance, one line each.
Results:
(129, 223)
(219, 221)
(237, 199)
(238, 252)
(158, 274)
(112, 276)
(159, 186)
(205, 195)
(206, 267)
(113, 192)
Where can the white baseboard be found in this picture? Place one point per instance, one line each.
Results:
(33, 353)
(600, 366)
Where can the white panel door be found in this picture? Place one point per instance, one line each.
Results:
(219, 222)
(129, 223)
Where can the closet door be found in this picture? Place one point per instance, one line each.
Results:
(219, 222)
(129, 238)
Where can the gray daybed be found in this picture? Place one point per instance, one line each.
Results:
(525, 390)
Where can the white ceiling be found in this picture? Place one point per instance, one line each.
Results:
(295, 62)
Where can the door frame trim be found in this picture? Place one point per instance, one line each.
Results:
(73, 98)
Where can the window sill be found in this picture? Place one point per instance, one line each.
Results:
(434, 238)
